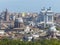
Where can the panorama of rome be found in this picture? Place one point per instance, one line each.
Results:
(27, 26)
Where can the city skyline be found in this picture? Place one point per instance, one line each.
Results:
(29, 5)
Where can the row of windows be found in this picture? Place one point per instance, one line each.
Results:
(49, 18)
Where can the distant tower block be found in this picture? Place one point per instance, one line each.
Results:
(6, 15)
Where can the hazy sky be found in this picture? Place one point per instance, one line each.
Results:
(29, 5)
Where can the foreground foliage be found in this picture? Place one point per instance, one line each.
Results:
(40, 42)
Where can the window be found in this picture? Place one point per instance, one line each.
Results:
(49, 18)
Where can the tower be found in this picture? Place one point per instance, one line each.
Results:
(6, 17)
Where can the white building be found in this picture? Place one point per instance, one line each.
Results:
(53, 32)
(46, 17)
(2, 32)
(27, 30)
